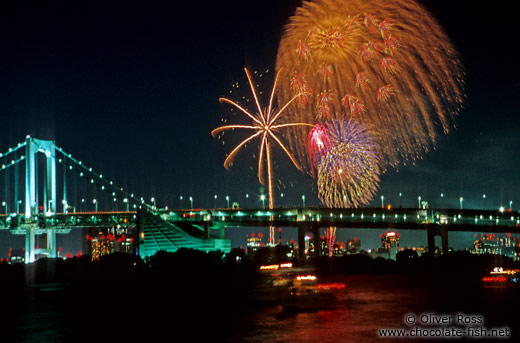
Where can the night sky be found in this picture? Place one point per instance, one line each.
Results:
(131, 88)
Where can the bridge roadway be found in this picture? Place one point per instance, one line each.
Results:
(437, 222)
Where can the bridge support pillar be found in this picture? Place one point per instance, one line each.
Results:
(139, 228)
(444, 240)
(317, 240)
(443, 233)
(301, 241)
(29, 244)
(48, 148)
(206, 231)
(431, 241)
(51, 242)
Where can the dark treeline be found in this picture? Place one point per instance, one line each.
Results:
(120, 296)
(407, 261)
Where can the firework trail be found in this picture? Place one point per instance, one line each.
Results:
(331, 237)
(348, 175)
(264, 126)
(388, 64)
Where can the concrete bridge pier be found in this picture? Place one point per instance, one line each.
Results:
(437, 231)
(317, 240)
(30, 236)
(444, 240)
(139, 229)
(206, 231)
(301, 240)
(30, 244)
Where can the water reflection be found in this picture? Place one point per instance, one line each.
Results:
(369, 303)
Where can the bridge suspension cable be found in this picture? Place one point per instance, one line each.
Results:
(98, 179)
(12, 163)
(12, 150)
(16, 160)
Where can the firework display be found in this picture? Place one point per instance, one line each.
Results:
(387, 64)
(348, 174)
(376, 82)
(264, 126)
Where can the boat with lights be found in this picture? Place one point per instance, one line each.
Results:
(307, 294)
(502, 278)
(294, 288)
(275, 280)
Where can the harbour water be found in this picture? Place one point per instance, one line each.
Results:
(367, 304)
(370, 303)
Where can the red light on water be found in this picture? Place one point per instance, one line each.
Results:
(329, 286)
(494, 279)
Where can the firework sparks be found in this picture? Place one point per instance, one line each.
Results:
(391, 64)
(384, 93)
(264, 126)
(324, 105)
(353, 104)
(301, 87)
(348, 175)
(318, 144)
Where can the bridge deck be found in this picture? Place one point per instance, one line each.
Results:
(362, 218)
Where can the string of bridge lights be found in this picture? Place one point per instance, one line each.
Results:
(10, 151)
(98, 176)
(80, 169)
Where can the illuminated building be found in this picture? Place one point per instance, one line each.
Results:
(389, 245)
(353, 246)
(389, 240)
(103, 241)
(496, 245)
(342, 248)
(254, 242)
(16, 255)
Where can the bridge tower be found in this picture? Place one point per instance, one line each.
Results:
(48, 148)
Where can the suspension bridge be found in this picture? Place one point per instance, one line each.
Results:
(31, 207)
(148, 230)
